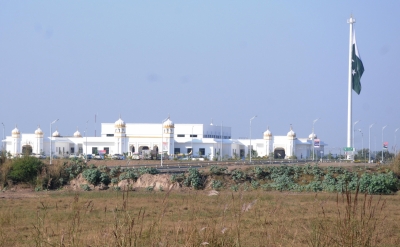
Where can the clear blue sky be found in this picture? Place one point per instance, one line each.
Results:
(285, 61)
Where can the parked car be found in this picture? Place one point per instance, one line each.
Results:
(117, 157)
(73, 156)
(135, 156)
(98, 157)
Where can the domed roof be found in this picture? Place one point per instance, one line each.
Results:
(291, 133)
(56, 134)
(169, 124)
(77, 133)
(267, 133)
(15, 131)
(119, 123)
(311, 136)
(38, 131)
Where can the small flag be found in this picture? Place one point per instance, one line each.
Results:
(357, 67)
(385, 144)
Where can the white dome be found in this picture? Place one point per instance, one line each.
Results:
(56, 134)
(291, 133)
(77, 134)
(311, 135)
(38, 131)
(169, 124)
(119, 123)
(267, 133)
(15, 131)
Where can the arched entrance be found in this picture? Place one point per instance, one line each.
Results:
(27, 149)
(279, 153)
(142, 148)
(132, 149)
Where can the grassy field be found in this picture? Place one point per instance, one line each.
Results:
(199, 218)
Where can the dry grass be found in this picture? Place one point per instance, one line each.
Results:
(193, 218)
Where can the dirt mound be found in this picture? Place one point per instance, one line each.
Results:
(157, 182)
(75, 184)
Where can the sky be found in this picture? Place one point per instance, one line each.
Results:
(201, 61)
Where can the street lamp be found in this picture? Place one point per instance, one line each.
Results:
(362, 143)
(51, 137)
(251, 148)
(162, 139)
(313, 138)
(369, 143)
(192, 143)
(354, 124)
(395, 142)
(382, 141)
(2, 144)
(86, 141)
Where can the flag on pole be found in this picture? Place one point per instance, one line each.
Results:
(357, 67)
(385, 144)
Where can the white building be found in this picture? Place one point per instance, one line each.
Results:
(204, 140)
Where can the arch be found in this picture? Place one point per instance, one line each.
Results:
(141, 148)
(279, 153)
(27, 149)
(132, 148)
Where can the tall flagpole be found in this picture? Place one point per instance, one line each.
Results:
(349, 99)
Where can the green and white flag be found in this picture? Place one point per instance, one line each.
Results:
(357, 67)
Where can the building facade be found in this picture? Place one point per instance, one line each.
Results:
(172, 139)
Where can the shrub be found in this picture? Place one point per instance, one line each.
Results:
(216, 184)
(25, 169)
(238, 175)
(235, 187)
(217, 170)
(193, 179)
(85, 187)
(105, 179)
(92, 175)
(255, 184)
(129, 174)
(148, 170)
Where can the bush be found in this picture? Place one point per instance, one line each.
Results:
(216, 184)
(25, 169)
(238, 175)
(193, 179)
(92, 175)
(217, 170)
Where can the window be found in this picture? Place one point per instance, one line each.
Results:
(193, 135)
(202, 151)
(80, 150)
(107, 149)
(72, 150)
(181, 135)
(94, 150)
(177, 150)
(188, 150)
(110, 135)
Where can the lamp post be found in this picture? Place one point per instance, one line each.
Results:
(51, 137)
(369, 143)
(2, 144)
(362, 144)
(251, 148)
(354, 124)
(162, 139)
(192, 144)
(86, 141)
(395, 142)
(313, 138)
(382, 141)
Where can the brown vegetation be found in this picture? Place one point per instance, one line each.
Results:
(198, 218)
